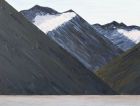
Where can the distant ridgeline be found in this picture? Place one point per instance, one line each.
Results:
(121, 35)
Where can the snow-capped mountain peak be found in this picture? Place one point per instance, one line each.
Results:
(47, 19)
(38, 10)
(125, 37)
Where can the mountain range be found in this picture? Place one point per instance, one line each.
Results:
(122, 74)
(46, 52)
(75, 35)
(32, 63)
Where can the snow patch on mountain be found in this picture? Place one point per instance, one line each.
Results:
(133, 35)
(50, 22)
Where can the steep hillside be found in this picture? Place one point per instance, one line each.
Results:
(31, 63)
(123, 74)
(76, 36)
(125, 37)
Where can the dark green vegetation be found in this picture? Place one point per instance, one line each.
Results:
(123, 74)
(31, 63)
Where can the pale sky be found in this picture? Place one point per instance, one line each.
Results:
(94, 11)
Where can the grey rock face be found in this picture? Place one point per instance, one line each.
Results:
(31, 63)
(83, 42)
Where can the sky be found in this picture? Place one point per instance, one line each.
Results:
(94, 11)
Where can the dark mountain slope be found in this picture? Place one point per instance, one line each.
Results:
(77, 36)
(31, 63)
(123, 74)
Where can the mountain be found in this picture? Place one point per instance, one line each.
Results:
(32, 63)
(123, 74)
(125, 37)
(76, 36)
(38, 10)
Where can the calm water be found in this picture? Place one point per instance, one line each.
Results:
(69, 100)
